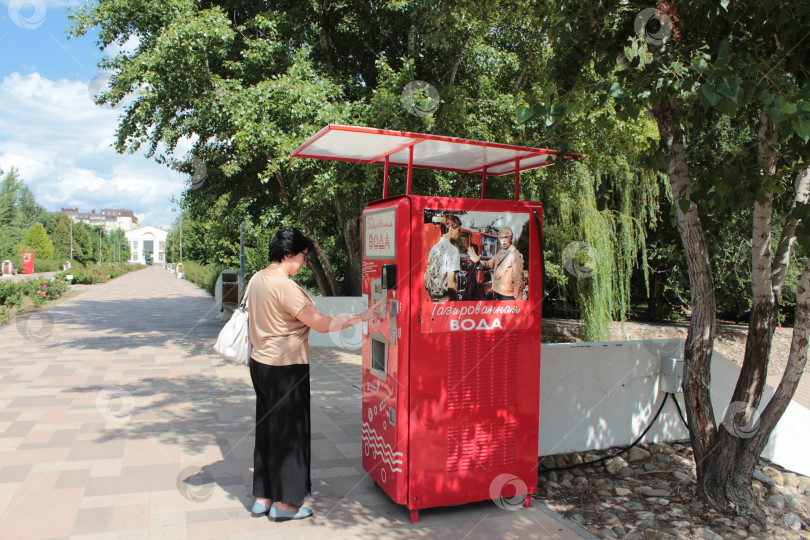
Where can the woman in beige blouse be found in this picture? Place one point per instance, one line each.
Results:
(280, 316)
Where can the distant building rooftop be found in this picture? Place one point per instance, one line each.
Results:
(109, 218)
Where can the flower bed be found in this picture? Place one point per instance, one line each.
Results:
(98, 274)
(40, 291)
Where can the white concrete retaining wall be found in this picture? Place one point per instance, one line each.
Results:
(332, 306)
(597, 395)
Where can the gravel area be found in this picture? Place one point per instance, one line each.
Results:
(649, 493)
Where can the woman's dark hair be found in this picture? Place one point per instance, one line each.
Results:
(288, 241)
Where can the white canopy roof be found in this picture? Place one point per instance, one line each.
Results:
(370, 145)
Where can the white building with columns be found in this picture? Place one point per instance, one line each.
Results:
(147, 239)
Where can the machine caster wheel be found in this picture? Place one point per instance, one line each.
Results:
(528, 502)
(414, 516)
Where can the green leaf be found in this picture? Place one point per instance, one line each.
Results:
(684, 205)
(724, 90)
(801, 125)
(523, 114)
(727, 106)
(803, 235)
(725, 4)
(776, 115)
(788, 107)
(708, 96)
(688, 83)
(722, 54)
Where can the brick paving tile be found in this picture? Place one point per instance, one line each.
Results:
(114, 402)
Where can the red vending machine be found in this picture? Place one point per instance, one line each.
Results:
(27, 262)
(451, 376)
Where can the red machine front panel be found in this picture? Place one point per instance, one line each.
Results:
(386, 238)
(475, 359)
(451, 380)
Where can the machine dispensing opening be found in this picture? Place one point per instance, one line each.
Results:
(379, 355)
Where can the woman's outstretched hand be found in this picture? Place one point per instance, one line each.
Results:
(371, 314)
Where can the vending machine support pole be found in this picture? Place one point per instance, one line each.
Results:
(484, 184)
(410, 169)
(385, 178)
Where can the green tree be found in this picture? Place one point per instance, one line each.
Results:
(9, 190)
(59, 232)
(255, 86)
(10, 238)
(83, 243)
(36, 240)
(250, 84)
(742, 61)
(18, 206)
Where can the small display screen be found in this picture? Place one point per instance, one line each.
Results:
(378, 350)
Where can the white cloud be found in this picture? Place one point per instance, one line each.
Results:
(61, 142)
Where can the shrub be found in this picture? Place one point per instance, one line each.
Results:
(204, 276)
(38, 290)
(47, 265)
(10, 293)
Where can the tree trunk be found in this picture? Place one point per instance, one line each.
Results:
(762, 323)
(746, 433)
(654, 298)
(699, 344)
(727, 485)
(323, 37)
(315, 265)
(321, 267)
(352, 235)
(801, 186)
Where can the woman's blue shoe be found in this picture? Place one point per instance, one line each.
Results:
(259, 509)
(286, 515)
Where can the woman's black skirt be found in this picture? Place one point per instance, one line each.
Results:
(281, 457)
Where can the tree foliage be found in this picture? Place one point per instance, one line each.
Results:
(37, 241)
(735, 68)
(18, 208)
(247, 84)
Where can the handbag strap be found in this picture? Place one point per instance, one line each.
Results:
(244, 301)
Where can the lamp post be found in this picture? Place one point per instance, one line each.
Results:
(181, 236)
(180, 209)
(242, 253)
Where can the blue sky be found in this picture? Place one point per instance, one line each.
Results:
(51, 130)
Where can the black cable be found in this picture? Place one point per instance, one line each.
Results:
(610, 456)
(678, 406)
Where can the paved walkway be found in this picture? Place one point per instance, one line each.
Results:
(117, 420)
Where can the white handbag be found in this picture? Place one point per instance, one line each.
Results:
(233, 341)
